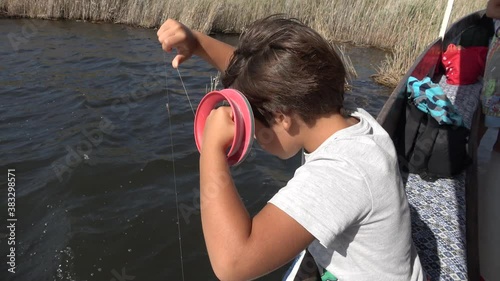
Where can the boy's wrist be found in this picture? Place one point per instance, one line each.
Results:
(211, 149)
(212, 155)
(197, 48)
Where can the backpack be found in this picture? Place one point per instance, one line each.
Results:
(435, 140)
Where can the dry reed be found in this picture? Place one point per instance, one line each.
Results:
(403, 27)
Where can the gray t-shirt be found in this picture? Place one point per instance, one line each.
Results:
(349, 195)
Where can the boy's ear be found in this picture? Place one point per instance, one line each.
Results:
(285, 121)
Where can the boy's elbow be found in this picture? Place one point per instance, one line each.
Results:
(228, 269)
(224, 275)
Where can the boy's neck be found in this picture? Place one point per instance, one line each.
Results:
(325, 127)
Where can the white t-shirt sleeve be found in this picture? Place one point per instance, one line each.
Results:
(326, 196)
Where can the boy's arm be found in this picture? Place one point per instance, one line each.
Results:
(239, 247)
(215, 52)
(173, 34)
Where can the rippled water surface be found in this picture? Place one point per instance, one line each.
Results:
(83, 123)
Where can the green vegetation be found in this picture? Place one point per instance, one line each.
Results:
(403, 27)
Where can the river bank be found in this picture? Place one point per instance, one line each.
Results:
(402, 27)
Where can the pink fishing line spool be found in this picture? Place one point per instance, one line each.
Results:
(243, 120)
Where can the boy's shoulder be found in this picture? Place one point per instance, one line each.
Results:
(366, 136)
(363, 151)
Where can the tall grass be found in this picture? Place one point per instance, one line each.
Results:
(403, 27)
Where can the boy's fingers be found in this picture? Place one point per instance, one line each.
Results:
(165, 26)
(175, 63)
(166, 47)
(160, 31)
(171, 35)
(166, 36)
(170, 40)
(178, 60)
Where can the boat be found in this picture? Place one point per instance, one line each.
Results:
(444, 209)
(445, 232)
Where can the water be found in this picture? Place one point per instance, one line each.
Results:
(83, 123)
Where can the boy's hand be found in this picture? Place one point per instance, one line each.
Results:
(219, 130)
(173, 34)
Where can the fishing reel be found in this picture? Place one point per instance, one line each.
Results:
(243, 120)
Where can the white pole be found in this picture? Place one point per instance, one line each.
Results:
(446, 18)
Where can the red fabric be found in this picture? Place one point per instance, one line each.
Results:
(464, 65)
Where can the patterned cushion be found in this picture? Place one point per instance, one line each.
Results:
(465, 98)
(438, 225)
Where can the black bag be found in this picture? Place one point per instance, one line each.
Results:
(432, 150)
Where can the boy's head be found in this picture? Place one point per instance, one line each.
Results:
(283, 66)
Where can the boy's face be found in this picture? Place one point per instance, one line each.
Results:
(279, 140)
(493, 9)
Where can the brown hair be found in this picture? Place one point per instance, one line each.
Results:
(282, 65)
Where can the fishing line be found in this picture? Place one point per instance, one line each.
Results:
(173, 162)
(185, 91)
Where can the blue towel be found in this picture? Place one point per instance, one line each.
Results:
(430, 98)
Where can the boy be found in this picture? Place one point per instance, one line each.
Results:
(346, 204)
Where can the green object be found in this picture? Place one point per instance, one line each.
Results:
(490, 88)
(327, 276)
